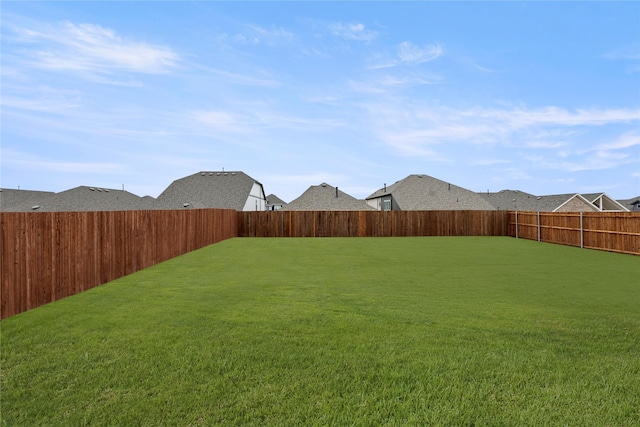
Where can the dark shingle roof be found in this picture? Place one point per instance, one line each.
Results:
(423, 192)
(323, 198)
(208, 189)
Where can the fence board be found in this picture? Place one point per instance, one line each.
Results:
(46, 256)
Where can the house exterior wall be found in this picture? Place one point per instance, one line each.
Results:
(384, 203)
(256, 201)
(577, 204)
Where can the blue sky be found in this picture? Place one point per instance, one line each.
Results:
(542, 97)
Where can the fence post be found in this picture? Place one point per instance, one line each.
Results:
(538, 226)
(581, 232)
(516, 224)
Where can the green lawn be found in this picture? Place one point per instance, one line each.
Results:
(370, 331)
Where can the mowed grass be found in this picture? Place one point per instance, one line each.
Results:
(370, 331)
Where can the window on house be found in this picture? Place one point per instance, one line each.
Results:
(386, 205)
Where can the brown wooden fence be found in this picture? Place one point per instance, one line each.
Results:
(372, 223)
(46, 256)
(608, 231)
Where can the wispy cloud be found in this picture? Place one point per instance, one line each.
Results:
(352, 31)
(89, 48)
(415, 129)
(242, 79)
(407, 53)
(31, 162)
(412, 54)
(626, 140)
(255, 119)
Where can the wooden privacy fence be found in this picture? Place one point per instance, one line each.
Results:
(46, 256)
(609, 231)
(372, 223)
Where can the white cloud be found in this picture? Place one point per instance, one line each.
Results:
(352, 31)
(94, 49)
(626, 140)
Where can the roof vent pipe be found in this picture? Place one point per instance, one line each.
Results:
(336, 191)
(385, 187)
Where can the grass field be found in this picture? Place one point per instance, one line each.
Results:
(369, 331)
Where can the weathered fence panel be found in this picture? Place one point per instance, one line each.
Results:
(608, 231)
(47, 256)
(371, 223)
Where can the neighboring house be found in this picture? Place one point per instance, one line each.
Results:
(324, 197)
(521, 201)
(22, 200)
(274, 203)
(632, 204)
(423, 192)
(216, 189)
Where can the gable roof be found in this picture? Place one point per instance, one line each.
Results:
(22, 200)
(424, 192)
(208, 189)
(325, 197)
(272, 200)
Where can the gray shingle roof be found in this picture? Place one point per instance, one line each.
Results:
(323, 198)
(86, 198)
(81, 198)
(22, 200)
(519, 200)
(516, 200)
(631, 203)
(423, 192)
(208, 189)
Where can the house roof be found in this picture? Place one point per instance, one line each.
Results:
(522, 201)
(512, 200)
(82, 198)
(630, 203)
(423, 192)
(85, 198)
(22, 200)
(272, 199)
(323, 198)
(208, 189)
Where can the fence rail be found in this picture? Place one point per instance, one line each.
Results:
(608, 231)
(47, 256)
(372, 223)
